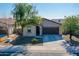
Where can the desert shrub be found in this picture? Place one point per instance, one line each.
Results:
(35, 41)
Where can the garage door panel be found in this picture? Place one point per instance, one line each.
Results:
(50, 30)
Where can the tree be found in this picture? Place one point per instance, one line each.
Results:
(71, 25)
(36, 20)
(25, 14)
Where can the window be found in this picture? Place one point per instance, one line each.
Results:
(29, 29)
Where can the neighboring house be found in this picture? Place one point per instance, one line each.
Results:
(47, 27)
(58, 20)
(6, 25)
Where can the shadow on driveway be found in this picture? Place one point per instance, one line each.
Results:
(22, 40)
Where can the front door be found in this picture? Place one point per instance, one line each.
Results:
(37, 30)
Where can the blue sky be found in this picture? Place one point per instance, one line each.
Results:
(46, 10)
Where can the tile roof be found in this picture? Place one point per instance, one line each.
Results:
(7, 21)
(51, 21)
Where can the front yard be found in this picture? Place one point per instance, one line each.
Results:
(52, 48)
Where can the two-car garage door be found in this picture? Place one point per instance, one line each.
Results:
(50, 30)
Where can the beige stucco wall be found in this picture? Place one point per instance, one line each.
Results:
(10, 29)
(60, 29)
(32, 33)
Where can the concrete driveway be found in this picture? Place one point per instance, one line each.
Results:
(54, 48)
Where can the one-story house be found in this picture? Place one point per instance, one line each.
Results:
(47, 27)
(6, 25)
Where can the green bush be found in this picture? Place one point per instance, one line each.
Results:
(35, 41)
(77, 32)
